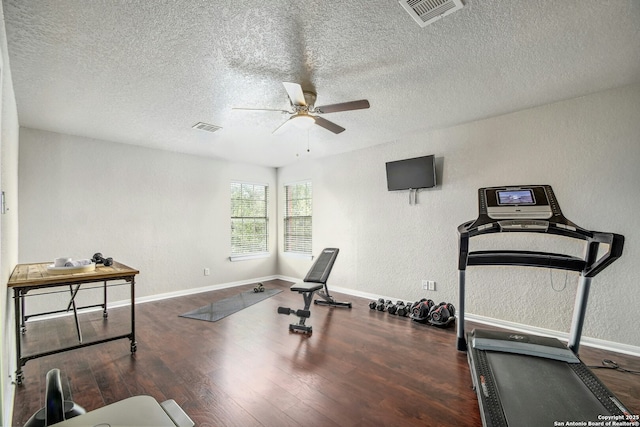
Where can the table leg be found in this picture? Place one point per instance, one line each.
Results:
(134, 344)
(104, 307)
(18, 300)
(75, 310)
(23, 321)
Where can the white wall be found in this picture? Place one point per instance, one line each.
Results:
(587, 149)
(163, 213)
(8, 223)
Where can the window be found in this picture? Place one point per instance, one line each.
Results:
(249, 222)
(297, 218)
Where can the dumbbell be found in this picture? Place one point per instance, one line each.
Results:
(382, 304)
(99, 259)
(394, 308)
(404, 309)
(374, 304)
(415, 304)
(389, 305)
(391, 309)
(422, 312)
(442, 314)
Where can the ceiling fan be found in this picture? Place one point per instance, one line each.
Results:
(304, 112)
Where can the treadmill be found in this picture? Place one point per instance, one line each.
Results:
(527, 380)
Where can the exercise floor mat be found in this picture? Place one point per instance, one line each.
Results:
(223, 308)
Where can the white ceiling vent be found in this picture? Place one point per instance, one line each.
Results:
(206, 127)
(424, 12)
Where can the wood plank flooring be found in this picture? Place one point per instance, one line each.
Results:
(360, 367)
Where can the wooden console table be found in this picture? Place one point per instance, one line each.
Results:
(28, 277)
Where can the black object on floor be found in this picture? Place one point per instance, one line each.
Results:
(220, 309)
(56, 409)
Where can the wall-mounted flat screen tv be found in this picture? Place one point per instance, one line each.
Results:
(419, 172)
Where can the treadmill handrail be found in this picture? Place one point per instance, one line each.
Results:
(526, 259)
(616, 244)
(590, 265)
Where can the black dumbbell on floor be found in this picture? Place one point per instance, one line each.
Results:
(405, 310)
(374, 304)
(383, 305)
(394, 308)
(391, 309)
(380, 304)
(402, 309)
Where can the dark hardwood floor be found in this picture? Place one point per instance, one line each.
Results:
(358, 368)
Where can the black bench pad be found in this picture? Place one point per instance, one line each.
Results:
(306, 287)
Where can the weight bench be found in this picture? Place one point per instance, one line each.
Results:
(314, 282)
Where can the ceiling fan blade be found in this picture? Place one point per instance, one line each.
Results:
(344, 106)
(283, 126)
(329, 125)
(295, 93)
(261, 109)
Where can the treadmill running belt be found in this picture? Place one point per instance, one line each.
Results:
(537, 392)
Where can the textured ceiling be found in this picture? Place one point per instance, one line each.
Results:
(143, 72)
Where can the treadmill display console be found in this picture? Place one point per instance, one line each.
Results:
(529, 202)
(515, 197)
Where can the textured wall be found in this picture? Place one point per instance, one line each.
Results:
(163, 213)
(587, 149)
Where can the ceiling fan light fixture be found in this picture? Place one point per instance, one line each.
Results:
(304, 121)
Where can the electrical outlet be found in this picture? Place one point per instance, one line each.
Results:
(206, 271)
(428, 285)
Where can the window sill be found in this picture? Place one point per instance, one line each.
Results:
(234, 258)
(298, 255)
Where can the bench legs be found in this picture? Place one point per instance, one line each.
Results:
(303, 314)
(327, 299)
